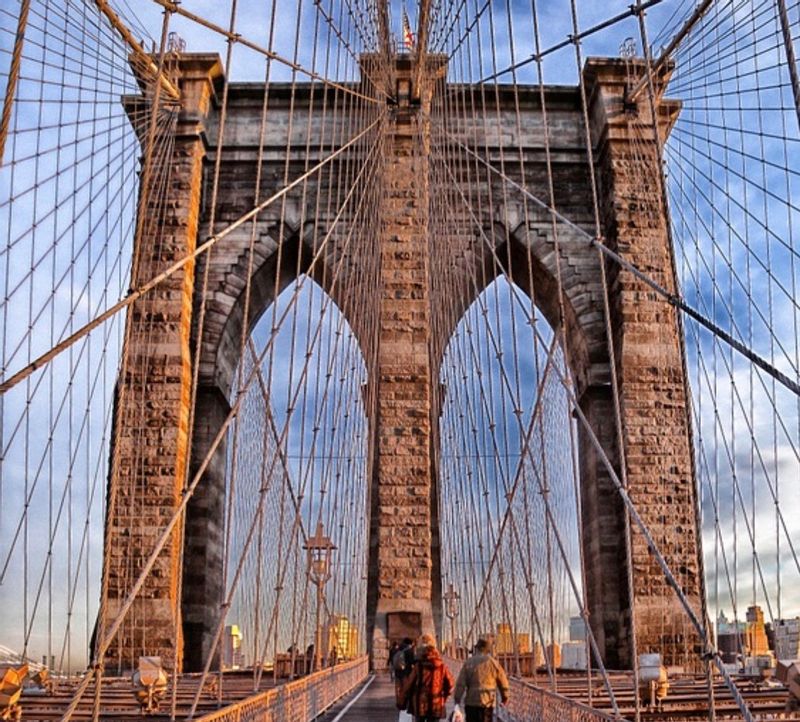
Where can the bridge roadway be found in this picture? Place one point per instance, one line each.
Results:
(372, 701)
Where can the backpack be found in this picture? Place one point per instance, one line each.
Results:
(402, 661)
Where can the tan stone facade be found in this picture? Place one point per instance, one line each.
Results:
(404, 564)
(650, 370)
(153, 394)
(404, 561)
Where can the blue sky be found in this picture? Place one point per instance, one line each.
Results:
(67, 205)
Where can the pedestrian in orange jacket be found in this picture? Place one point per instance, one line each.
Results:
(429, 684)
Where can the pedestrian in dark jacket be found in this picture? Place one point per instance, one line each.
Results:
(429, 684)
(401, 663)
(392, 651)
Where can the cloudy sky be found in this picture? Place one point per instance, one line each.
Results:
(73, 183)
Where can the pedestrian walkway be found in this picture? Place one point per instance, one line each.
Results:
(372, 701)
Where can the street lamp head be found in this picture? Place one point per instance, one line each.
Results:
(451, 598)
(319, 549)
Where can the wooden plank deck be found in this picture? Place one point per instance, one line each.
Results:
(371, 703)
(120, 705)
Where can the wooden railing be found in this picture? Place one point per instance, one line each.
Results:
(298, 701)
(529, 703)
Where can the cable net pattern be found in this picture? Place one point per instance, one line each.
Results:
(69, 182)
(278, 305)
(732, 183)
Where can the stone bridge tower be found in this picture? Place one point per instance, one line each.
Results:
(178, 609)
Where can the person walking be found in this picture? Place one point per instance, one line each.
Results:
(389, 662)
(402, 662)
(430, 683)
(478, 683)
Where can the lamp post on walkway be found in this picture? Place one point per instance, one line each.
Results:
(451, 599)
(319, 549)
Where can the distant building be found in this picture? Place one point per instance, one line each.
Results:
(730, 639)
(724, 626)
(755, 635)
(548, 655)
(736, 640)
(506, 642)
(577, 629)
(787, 638)
(341, 634)
(573, 655)
(232, 653)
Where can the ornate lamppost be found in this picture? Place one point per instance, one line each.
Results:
(319, 549)
(451, 599)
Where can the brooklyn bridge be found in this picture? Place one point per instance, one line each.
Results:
(330, 323)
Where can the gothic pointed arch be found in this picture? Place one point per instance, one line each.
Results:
(559, 273)
(506, 439)
(291, 318)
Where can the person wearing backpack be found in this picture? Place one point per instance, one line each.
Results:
(392, 651)
(401, 664)
(430, 683)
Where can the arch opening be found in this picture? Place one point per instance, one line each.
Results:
(508, 482)
(295, 458)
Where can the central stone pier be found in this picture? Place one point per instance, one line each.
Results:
(177, 611)
(404, 574)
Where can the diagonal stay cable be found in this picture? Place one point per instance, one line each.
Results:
(280, 442)
(136, 294)
(666, 54)
(671, 298)
(138, 52)
(13, 76)
(188, 492)
(237, 38)
(632, 11)
(709, 653)
(510, 494)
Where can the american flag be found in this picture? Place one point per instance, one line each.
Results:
(408, 36)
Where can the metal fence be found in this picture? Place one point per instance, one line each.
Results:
(533, 704)
(529, 703)
(298, 701)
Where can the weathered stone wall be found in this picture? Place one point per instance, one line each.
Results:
(404, 573)
(400, 574)
(153, 396)
(649, 364)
